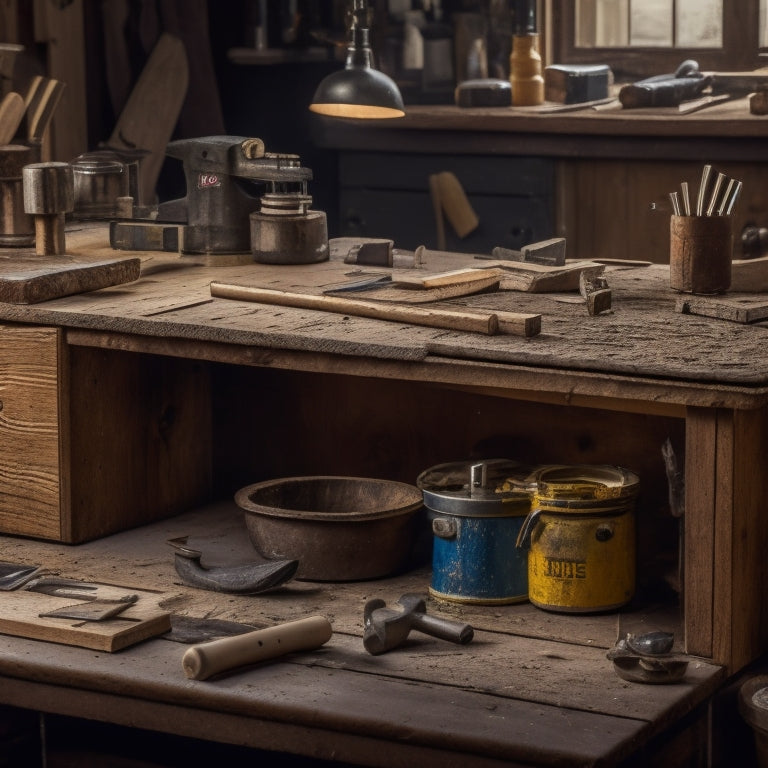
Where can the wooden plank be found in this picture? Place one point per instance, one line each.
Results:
(152, 110)
(20, 615)
(738, 309)
(539, 278)
(135, 416)
(60, 27)
(464, 276)
(433, 721)
(30, 431)
(749, 275)
(30, 279)
(749, 541)
(699, 530)
(723, 629)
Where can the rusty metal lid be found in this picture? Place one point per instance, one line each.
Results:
(478, 488)
(584, 487)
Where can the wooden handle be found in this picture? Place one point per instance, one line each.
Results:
(206, 659)
(42, 105)
(437, 206)
(479, 321)
(11, 114)
(458, 210)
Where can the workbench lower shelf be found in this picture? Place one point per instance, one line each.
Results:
(532, 688)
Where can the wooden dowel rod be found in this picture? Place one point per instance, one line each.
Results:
(480, 321)
(206, 659)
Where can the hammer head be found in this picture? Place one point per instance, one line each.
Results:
(386, 628)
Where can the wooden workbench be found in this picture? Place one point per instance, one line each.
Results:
(301, 392)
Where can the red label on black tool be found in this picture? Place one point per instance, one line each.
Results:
(205, 180)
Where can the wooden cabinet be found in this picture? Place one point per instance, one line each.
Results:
(621, 209)
(600, 179)
(97, 441)
(387, 195)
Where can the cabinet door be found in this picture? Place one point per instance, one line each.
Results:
(30, 471)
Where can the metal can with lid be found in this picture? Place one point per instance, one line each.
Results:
(580, 538)
(477, 510)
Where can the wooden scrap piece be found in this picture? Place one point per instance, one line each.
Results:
(21, 615)
(744, 309)
(465, 276)
(27, 279)
(749, 275)
(538, 278)
(522, 275)
(596, 293)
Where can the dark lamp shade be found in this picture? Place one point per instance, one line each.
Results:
(358, 91)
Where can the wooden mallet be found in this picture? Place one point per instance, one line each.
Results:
(49, 194)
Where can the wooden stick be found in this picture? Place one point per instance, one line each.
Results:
(200, 662)
(42, 105)
(706, 172)
(715, 192)
(686, 198)
(11, 114)
(437, 205)
(479, 321)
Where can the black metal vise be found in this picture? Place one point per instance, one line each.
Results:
(227, 178)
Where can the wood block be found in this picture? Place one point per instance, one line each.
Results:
(746, 309)
(30, 432)
(749, 275)
(538, 278)
(30, 279)
(20, 616)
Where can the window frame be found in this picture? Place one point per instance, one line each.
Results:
(740, 50)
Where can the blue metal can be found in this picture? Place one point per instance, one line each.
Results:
(477, 510)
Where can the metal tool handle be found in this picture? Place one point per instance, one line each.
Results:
(453, 631)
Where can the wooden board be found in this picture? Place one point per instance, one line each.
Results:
(20, 616)
(540, 278)
(159, 93)
(749, 275)
(29, 279)
(739, 309)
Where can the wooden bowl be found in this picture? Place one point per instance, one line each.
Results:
(338, 528)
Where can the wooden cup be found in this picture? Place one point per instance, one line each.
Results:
(700, 253)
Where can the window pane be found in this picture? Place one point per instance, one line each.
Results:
(651, 23)
(763, 43)
(700, 23)
(602, 23)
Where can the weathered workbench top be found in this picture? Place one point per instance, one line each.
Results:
(642, 343)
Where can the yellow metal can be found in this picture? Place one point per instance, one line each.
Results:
(580, 537)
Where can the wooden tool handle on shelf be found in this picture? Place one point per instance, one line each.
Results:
(206, 659)
(478, 321)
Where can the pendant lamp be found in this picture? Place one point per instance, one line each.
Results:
(358, 90)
